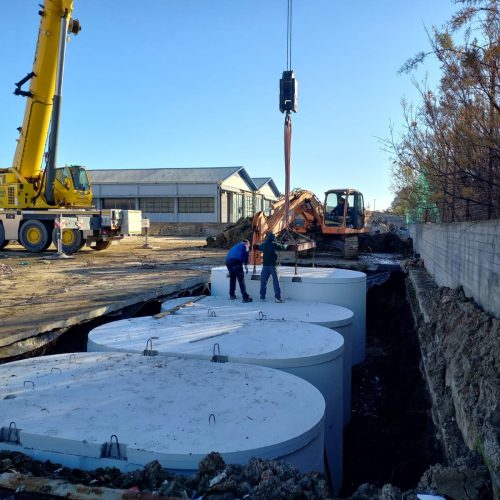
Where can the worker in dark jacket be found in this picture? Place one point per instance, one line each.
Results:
(269, 251)
(236, 258)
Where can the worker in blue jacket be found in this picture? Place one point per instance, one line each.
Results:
(269, 251)
(236, 258)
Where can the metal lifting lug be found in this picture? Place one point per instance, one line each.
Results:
(10, 434)
(149, 348)
(113, 449)
(217, 357)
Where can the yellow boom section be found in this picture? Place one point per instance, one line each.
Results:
(31, 145)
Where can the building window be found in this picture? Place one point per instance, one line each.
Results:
(122, 203)
(259, 204)
(157, 205)
(196, 205)
(248, 212)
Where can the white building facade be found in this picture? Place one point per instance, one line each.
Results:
(184, 195)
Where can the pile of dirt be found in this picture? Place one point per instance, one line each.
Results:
(390, 242)
(258, 479)
(462, 481)
(461, 361)
(387, 242)
(232, 234)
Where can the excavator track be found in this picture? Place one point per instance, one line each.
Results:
(338, 246)
(351, 250)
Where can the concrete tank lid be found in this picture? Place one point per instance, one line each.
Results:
(270, 342)
(312, 274)
(318, 313)
(158, 406)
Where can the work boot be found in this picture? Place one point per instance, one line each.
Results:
(232, 297)
(247, 299)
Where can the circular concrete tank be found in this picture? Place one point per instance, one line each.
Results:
(311, 352)
(342, 287)
(328, 315)
(124, 410)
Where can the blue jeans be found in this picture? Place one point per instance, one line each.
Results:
(264, 277)
(235, 268)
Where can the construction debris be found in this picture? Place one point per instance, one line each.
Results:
(259, 479)
(232, 234)
(5, 270)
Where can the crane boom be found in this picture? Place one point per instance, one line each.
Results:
(40, 206)
(30, 148)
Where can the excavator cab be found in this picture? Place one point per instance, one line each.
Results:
(344, 208)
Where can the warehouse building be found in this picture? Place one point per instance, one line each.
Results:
(184, 201)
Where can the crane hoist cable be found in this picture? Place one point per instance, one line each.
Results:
(288, 103)
(289, 35)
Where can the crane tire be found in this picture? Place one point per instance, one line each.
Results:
(101, 245)
(34, 236)
(72, 240)
(3, 241)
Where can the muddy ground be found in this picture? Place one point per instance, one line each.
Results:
(40, 295)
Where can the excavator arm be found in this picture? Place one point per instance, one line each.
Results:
(304, 211)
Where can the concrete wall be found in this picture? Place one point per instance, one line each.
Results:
(186, 229)
(463, 254)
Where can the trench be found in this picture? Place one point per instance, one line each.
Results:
(391, 436)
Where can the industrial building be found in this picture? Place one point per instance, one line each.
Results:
(185, 200)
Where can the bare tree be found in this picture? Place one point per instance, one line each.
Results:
(448, 157)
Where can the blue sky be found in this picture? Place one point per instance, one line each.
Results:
(194, 83)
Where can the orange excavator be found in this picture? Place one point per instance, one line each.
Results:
(332, 226)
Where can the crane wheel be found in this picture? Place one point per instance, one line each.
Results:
(72, 240)
(34, 236)
(3, 241)
(101, 245)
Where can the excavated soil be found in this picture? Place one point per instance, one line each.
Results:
(391, 444)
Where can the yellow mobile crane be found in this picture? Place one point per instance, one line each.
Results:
(35, 202)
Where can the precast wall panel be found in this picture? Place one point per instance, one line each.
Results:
(465, 254)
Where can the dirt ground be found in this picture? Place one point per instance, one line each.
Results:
(41, 295)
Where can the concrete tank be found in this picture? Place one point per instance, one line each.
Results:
(328, 315)
(124, 410)
(318, 284)
(311, 352)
